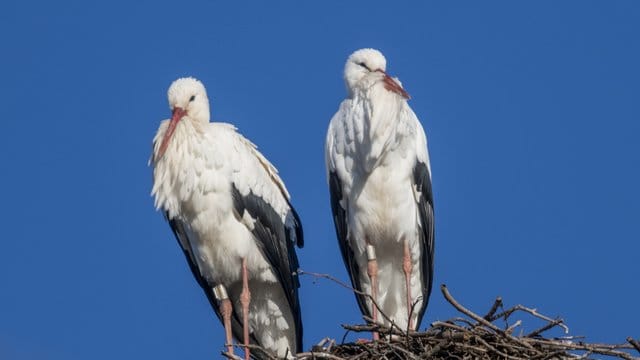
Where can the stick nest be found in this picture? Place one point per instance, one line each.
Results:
(472, 337)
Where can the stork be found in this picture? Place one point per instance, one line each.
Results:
(379, 179)
(230, 212)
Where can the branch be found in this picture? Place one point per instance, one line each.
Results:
(356, 291)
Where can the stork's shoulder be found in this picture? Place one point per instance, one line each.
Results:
(339, 134)
(344, 112)
(251, 171)
(336, 125)
(415, 127)
(225, 133)
(222, 134)
(223, 127)
(345, 124)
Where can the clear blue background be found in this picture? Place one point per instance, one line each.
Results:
(532, 115)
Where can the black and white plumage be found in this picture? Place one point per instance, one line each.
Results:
(380, 183)
(230, 211)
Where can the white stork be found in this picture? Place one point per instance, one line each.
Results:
(380, 183)
(231, 215)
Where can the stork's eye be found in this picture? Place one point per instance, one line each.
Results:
(363, 65)
(193, 97)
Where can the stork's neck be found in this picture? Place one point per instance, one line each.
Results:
(186, 139)
(376, 117)
(173, 173)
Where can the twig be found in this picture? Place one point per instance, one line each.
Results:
(510, 329)
(404, 351)
(231, 356)
(548, 326)
(317, 355)
(635, 343)
(477, 318)
(344, 285)
(494, 308)
(266, 355)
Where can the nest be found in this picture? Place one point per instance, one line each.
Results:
(472, 337)
(468, 337)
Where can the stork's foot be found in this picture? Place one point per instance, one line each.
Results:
(225, 308)
(407, 267)
(245, 299)
(372, 271)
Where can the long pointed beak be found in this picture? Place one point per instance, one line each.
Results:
(176, 115)
(392, 85)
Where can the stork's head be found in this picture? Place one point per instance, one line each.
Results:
(188, 102)
(365, 62)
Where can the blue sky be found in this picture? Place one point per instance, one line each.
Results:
(532, 115)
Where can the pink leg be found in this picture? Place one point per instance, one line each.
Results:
(372, 271)
(407, 267)
(225, 310)
(245, 298)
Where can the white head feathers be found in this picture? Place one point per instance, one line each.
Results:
(190, 95)
(362, 63)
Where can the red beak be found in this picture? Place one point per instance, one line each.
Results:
(176, 115)
(392, 85)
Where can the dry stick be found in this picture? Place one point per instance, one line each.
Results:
(539, 331)
(366, 348)
(510, 329)
(617, 353)
(344, 285)
(344, 337)
(633, 342)
(404, 351)
(464, 321)
(476, 337)
(473, 348)
(358, 356)
(466, 311)
(366, 328)
(260, 350)
(495, 350)
(320, 346)
(448, 325)
(479, 319)
(389, 330)
(533, 312)
(494, 308)
(413, 307)
(586, 355)
(434, 350)
(607, 346)
(317, 355)
(602, 349)
(231, 356)
(551, 355)
(324, 341)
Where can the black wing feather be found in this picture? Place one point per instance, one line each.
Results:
(179, 230)
(276, 241)
(422, 179)
(339, 219)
